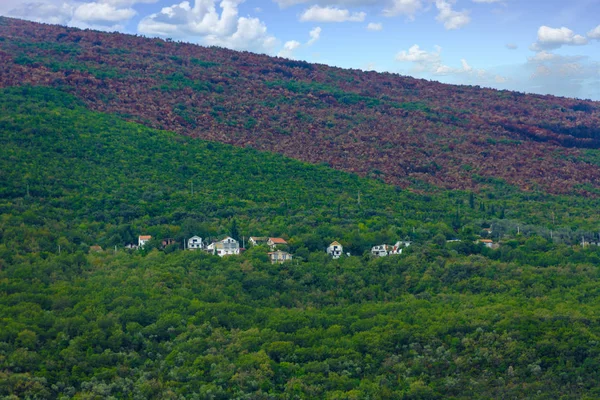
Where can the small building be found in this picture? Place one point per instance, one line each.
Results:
(280, 257)
(380, 250)
(257, 240)
(489, 243)
(274, 242)
(384, 250)
(143, 239)
(194, 243)
(131, 246)
(226, 247)
(335, 250)
(167, 242)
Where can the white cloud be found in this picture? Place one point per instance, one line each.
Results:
(420, 57)
(573, 76)
(374, 26)
(204, 22)
(403, 7)
(430, 62)
(331, 14)
(40, 11)
(486, 1)
(288, 49)
(594, 33)
(98, 14)
(450, 18)
(511, 46)
(543, 56)
(314, 34)
(553, 38)
(102, 13)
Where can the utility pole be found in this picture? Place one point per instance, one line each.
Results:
(359, 199)
(59, 249)
(28, 190)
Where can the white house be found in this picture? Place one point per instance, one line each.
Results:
(143, 239)
(225, 247)
(279, 256)
(380, 250)
(195, 242)
(384, 250)
(335, 250)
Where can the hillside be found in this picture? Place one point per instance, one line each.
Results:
(445, 320)
(404, 131)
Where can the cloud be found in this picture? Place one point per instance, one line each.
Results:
(102, 13)
(486, 1)
(553, 38)
(511, 46)
(403, 7)
(41, 12)
(98, 14)
(374, 26)
(314, 34)
(288, 49)
(594, 33)
(430, 62)
(450, 18)
(572, 76)
(331, 14)
(204, 22)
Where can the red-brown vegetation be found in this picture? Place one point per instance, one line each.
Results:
(396, 128)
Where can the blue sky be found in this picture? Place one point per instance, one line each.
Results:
(540, 46)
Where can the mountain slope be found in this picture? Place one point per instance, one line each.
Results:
(402, 130)
(441, 321)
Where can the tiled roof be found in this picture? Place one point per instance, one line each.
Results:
(278, 240)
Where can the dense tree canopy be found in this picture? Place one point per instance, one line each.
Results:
(442, 320)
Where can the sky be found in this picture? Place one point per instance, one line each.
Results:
(535, 46)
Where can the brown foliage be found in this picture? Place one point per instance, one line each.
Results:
(388, 126)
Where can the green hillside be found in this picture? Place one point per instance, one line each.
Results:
(442, 320)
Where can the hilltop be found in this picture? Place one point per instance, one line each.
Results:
(408, 132)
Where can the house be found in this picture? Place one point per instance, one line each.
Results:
(489, 243)
(167, 242)
(143, 239)
(95, 248)
(131, 246)
(488, 231)
(257, 240)
(335, 250)
(195, 242)
(225, 247)
(380, 250)
(383, 250)
(274, 242)
(279, 256)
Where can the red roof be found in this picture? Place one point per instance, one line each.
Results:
(277, 241)
(145, 237)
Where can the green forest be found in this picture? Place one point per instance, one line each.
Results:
(447, 319)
